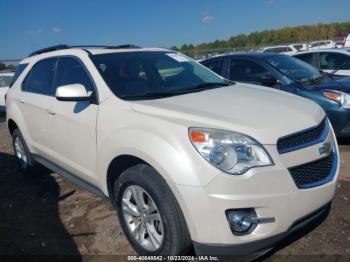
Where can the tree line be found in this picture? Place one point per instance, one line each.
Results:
(305, 33)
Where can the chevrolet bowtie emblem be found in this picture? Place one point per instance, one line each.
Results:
(325, 148)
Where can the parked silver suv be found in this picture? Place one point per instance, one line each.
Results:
(186, 157)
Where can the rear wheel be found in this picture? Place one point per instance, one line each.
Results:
(22, 153)
(149, 213)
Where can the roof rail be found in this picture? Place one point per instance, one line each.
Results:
(62, 47)
(49, 49)
(123, 46)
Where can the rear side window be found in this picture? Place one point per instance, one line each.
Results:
(298, 47)
(71, 71)
(39, 79)
(215, 65)
(18, 72)
(270, 50)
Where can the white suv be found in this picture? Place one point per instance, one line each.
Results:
(186, 157)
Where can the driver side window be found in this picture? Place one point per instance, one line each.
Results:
(246, 71)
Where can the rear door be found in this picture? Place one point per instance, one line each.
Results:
(72, 132)
(35, 102)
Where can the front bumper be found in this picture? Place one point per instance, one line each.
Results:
(270, 191)
(261, 246)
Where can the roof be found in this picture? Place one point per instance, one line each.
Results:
(250, 54)
(97, 51)
(60, 50)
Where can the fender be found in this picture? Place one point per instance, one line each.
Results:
(155, 150)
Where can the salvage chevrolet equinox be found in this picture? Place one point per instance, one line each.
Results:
(187, 158)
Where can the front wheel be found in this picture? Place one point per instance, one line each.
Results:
(149, 213)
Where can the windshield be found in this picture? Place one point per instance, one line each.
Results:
(154, 74)
(5, 80)
(294, 68)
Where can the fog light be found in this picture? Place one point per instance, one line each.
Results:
(240, 220)
(244, 221)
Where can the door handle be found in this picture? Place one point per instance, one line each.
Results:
(21, 100)
(51, 111)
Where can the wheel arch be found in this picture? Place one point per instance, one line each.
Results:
(12, 126)
(117, 166)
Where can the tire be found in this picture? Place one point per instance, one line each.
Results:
(169, 228)
(24, 158)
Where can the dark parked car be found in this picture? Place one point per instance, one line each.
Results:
(290, 74)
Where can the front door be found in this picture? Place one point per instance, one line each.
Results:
(72, 130)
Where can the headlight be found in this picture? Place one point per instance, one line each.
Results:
(342, 98)
(230, 152)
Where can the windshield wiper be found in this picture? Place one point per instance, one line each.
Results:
(325, 74)
(207, 86)
(337, 69)
(162, 94)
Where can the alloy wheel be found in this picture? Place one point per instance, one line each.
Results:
(142, 216)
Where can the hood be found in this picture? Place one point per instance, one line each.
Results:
(262, 113)
(340, 83)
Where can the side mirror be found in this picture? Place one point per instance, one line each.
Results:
(73, 92)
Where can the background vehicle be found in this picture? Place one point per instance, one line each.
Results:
(166, 140)
(5, 80)
(299, 46)
(290, 49)
(321, 44)
(347, 41)
(292, 75)
(336, 61)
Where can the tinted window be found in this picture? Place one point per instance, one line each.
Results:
(136, 75)
(334, 61)
(215, 65)
(71, 71)
(270, 50)
(39, 80)
(277, 50)
(298, 47)
(308, 58)
(18, 72)
(246, 71)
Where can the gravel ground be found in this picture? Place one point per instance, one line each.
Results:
(47, 215)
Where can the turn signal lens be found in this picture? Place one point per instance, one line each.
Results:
(198, 137)
(332, 96)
